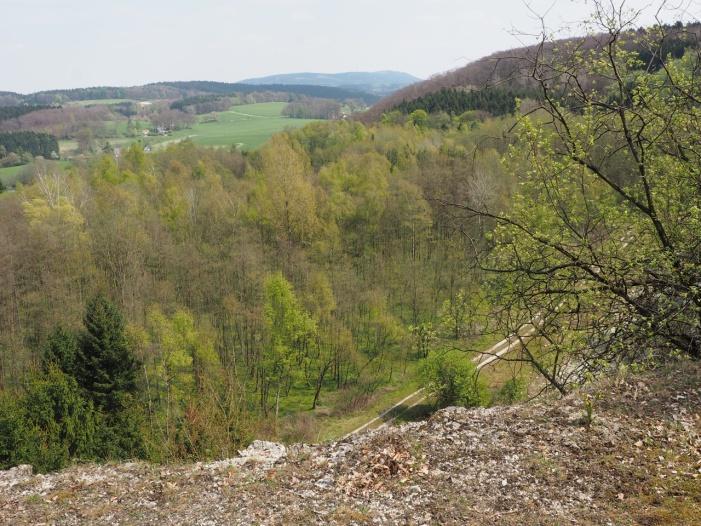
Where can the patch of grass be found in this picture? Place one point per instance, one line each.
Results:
(679, 503)
(545, 468)
(334, 423)
(34, 500)
(499, 373)
(348, 515)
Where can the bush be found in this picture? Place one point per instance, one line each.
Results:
(12, 432)
(452, 378)
(50, 425)
(513, 390)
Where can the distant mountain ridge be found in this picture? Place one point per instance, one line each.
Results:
(376, 82)
(180, 89)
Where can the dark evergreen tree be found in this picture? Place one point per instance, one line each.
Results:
(495, 101)
(105, 366)
(60, 350)
(30, 142)
(12, 112)
(49, 426)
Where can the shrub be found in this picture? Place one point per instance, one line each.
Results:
(452, 378)
(50, 425)
(513, 390)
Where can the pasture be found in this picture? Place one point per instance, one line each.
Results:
(247, 126)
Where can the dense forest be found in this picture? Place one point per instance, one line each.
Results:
(226, 88)
(201, 104)
(495, 101)
(12, 112)
(309, 108)
(236, 281)
(26, 142)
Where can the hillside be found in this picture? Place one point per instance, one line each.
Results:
(512, 68)
(376, 82)
(638, 463)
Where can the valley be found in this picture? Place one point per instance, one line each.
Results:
(358, 297)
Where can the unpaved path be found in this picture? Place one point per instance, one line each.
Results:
(485, 358)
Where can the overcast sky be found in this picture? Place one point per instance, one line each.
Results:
(47, 44)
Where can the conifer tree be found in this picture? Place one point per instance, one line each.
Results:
(105, 366)
(60, 350)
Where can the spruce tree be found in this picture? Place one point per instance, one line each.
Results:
(60, 350)
(104, 364)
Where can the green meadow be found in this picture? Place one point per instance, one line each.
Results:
(9, 175)
(247, 126)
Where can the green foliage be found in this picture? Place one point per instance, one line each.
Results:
(613, 223)
(12, 112)
(424, 336)
(452, 378)
(33, 143)
(50, 425)
(496, 101)
(60, 351)
(457, 313)
(247, 284)
(290, 334)
(13, 433)
(419, 118)
(105, 366)
(514, 390)
(588, 410)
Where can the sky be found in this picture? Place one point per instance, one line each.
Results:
(52, 44)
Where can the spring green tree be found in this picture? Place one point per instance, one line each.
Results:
(600, 249)
(291, 332)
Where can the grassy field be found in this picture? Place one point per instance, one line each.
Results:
(9, 175)
(247, 126)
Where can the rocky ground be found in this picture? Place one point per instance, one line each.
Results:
(638, 462)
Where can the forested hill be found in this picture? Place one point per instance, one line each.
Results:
(310, 90)
(380, 83)
(509, 70)
(179, 89)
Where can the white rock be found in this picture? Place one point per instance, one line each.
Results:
(12, 476)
